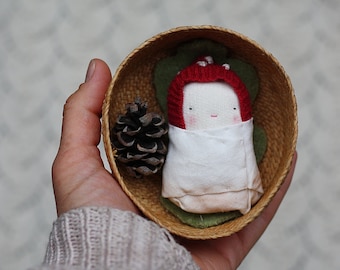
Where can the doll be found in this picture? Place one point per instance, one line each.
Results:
(210, 166)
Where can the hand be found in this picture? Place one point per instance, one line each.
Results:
(80, 179)
(78, 173)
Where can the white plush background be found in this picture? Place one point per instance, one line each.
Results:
(45, 47)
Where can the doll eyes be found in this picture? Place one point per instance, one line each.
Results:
(191, 108)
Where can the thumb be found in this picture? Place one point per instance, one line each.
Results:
(82, 110)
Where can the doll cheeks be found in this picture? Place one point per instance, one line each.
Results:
(191, 121)
(237, 119)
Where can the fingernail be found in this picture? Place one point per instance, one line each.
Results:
(90, 70)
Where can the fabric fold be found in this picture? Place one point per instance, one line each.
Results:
(212, 170)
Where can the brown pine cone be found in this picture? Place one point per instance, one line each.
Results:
(139, 138)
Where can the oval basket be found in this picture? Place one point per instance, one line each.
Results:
(274, 109)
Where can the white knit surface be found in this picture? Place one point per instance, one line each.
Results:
(45, 47)
(113, 240)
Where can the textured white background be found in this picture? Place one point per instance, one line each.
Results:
(44, 50)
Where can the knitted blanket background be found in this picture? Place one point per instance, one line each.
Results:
(45, 47)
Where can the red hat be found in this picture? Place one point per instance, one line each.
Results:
(204, 70)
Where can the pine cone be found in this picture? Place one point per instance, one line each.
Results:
(139, 138)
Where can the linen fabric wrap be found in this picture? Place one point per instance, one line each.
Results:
(212, 170)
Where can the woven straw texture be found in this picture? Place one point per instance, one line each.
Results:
(274, 109)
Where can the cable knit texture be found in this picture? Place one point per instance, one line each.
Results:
(105, 238)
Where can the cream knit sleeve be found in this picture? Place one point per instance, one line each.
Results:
(105, 238)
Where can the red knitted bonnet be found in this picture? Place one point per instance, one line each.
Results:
(204, 70)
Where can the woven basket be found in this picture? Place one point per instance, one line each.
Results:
(274, 109)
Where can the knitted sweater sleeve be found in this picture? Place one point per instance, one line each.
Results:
(105, 238)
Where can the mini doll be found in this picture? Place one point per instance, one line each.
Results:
(210, 166)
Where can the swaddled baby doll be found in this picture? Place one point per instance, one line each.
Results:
(211, 165)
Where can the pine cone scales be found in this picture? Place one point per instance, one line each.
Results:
(139, 138)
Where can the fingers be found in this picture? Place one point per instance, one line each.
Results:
(82, 110)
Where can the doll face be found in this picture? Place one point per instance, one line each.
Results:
(210, 105)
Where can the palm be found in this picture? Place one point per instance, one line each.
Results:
(91, 184)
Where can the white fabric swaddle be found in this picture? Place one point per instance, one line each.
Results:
(190, 182)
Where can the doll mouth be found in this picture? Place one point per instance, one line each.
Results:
(213, 115)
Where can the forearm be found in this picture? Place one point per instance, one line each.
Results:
(100, 238)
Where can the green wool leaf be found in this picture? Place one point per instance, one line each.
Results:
(200, 221)
(247, 74)
(260, 142)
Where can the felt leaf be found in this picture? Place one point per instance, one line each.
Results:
(165, 70)
(199, 220)
(247, 74)
(201, 47)
(260, 142)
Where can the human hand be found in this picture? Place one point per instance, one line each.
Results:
(78, 174)
(80, 179)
